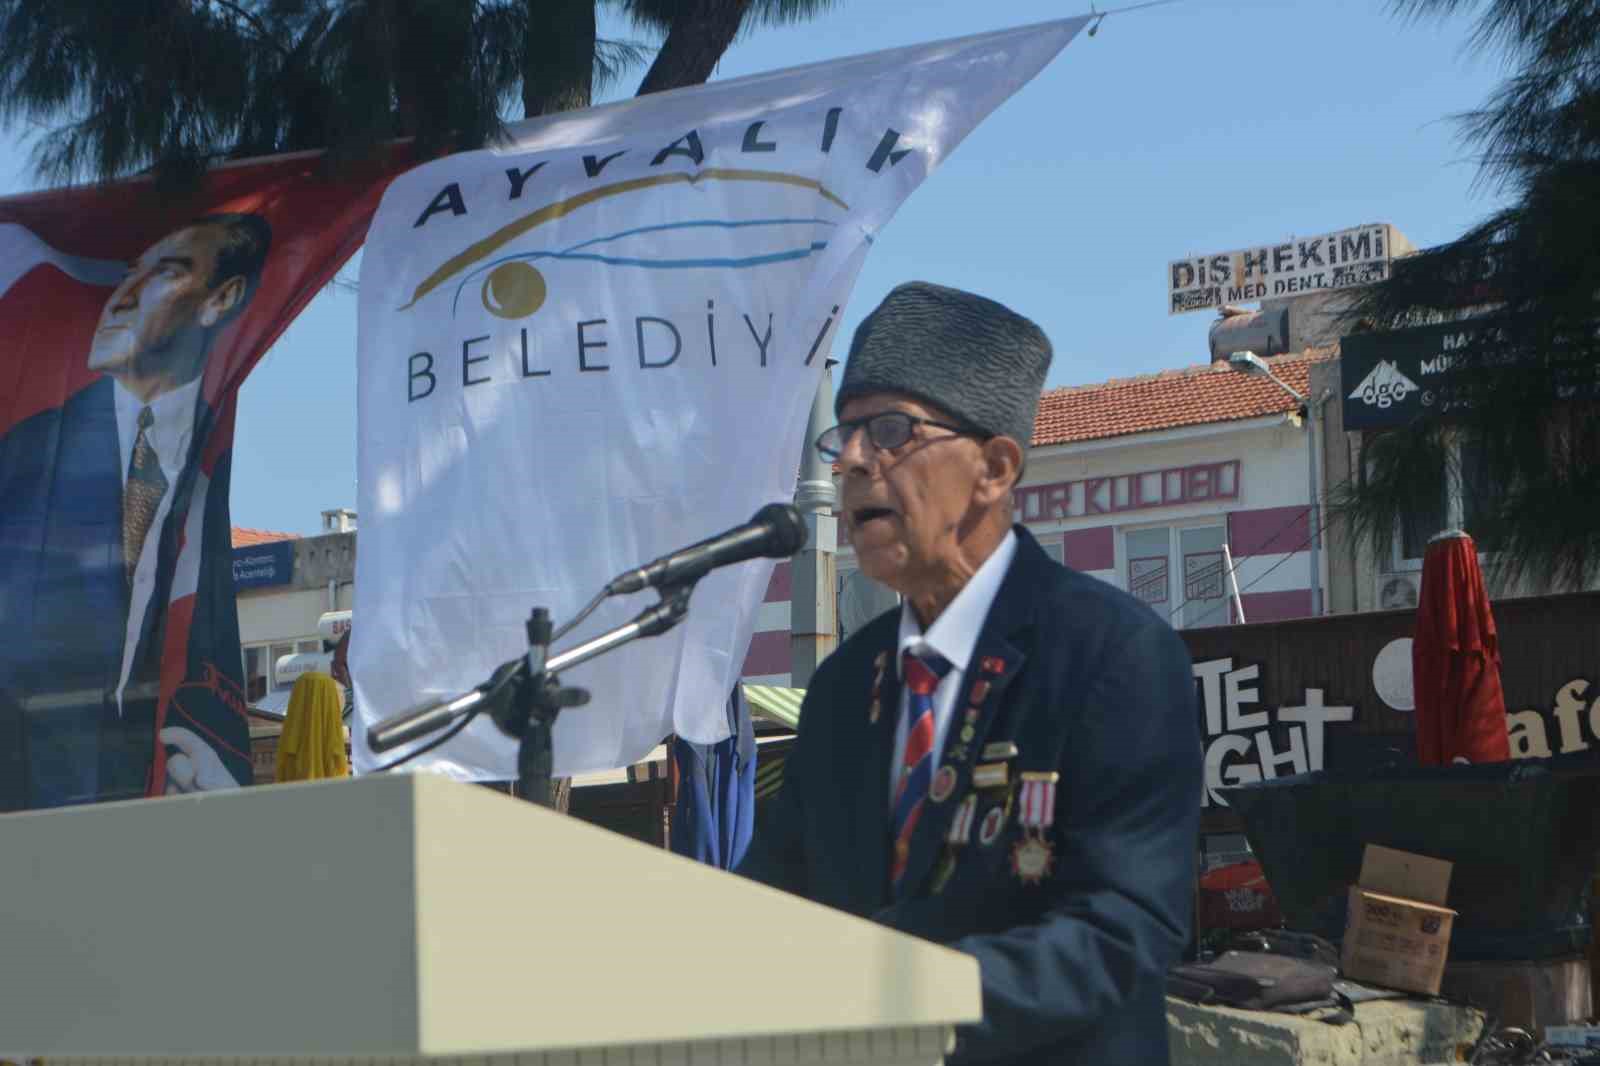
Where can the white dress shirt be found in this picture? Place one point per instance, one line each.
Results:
(953, 635)
(169, 434)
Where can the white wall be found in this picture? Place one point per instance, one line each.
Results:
(275, 615)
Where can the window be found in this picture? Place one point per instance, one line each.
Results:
(260, 663)
(1181, 572)
(1466, 497)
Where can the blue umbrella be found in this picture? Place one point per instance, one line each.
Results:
(715, 815)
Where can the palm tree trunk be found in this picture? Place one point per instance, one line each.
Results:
(695, 43)
(558, 63)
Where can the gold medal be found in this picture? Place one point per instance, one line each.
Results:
(1032, 859)
(967, 733)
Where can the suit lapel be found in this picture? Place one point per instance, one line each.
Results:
(996, 661)
(869, 806)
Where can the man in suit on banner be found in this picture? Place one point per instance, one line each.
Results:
(105, 508)
(1009, 763)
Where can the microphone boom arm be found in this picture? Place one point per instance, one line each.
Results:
(530, 696)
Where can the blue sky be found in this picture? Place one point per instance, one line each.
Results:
(1191, 128)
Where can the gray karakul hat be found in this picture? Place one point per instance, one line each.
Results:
(977, 359)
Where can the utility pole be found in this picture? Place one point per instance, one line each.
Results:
(813, 626)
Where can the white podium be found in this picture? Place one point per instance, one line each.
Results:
(401, 918)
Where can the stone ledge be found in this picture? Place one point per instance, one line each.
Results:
(1385, 1033)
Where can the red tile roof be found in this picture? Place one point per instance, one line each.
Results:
(245, 538)
(1193, 396)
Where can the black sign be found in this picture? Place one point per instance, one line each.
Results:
(1390, 379)
(263, 564)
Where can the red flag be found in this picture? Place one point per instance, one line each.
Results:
(1455, 657)
(127, 325)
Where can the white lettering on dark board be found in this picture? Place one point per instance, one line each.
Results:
(1240, 746)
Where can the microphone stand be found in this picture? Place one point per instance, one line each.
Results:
(528, 695)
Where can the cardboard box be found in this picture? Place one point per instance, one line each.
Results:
(1397, 934)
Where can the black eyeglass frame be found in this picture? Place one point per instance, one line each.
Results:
(845, 430)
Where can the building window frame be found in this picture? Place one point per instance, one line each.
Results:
(1175, 564)
(1454, 516)
(271, 651)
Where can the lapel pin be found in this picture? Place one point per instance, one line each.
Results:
(992, 664)
(980, 692)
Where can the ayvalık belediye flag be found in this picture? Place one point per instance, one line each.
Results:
(600, 343)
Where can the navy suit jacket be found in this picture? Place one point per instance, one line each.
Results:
(64, 602)
(1083, 680)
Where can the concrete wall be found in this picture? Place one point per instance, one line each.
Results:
(290, 611)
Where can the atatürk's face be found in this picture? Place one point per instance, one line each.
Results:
(906, 509)
(153, 325)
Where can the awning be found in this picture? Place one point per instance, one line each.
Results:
(652, 767)
(781, 705)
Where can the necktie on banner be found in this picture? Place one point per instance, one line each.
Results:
(142, 493)
(120, 680)
(601, 342)
(922, 675)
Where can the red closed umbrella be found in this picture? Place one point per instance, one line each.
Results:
(1455, 660)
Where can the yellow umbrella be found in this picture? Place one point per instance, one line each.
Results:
(312, 744)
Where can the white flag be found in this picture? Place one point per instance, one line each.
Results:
(600, 344)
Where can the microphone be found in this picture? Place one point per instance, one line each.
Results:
(775, 532)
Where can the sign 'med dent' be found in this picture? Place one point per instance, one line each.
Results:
(1327, 263)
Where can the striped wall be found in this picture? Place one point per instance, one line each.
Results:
(767, 662)
(1272, 563)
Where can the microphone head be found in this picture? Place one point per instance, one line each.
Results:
(788, 529)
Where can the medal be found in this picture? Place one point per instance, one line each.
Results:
(1000, 749)
(944, 783)
(990, 775)
(1031, 860)
(992, 664)
(961, 824)
(875, 708)
(980, 692)
(1033, 857)
(993, 822)
(967, 733)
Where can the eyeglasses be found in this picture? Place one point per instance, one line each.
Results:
(886, 430)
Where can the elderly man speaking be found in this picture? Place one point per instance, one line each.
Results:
(1010, 763)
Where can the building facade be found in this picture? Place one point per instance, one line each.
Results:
(1189, 489)
(286, 584)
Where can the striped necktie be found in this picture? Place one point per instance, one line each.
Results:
(916, 767)
(141, 496)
